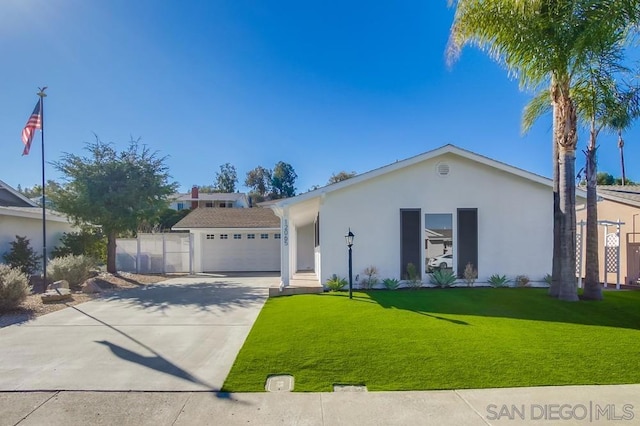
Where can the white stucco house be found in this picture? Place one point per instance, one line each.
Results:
(23, 217)
(448, 201)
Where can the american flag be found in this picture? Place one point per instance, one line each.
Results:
(34, 122)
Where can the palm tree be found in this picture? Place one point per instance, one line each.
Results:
(544, 43)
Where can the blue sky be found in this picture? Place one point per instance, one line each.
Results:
(323, 85)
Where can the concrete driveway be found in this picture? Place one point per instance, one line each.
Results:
(179, 335)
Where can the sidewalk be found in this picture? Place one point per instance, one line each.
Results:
(561, 405)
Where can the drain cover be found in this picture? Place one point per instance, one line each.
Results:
(349, 388)
(283, 383)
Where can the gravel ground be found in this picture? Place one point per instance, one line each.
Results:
(33, 307)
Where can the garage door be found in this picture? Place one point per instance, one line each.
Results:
(244, 251)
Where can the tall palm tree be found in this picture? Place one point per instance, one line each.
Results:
(543, 43)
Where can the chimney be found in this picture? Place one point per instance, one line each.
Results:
(194, 197)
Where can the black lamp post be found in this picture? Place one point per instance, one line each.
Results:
(349, 239)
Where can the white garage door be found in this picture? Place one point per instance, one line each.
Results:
(244, 251)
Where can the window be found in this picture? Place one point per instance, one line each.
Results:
(317, 230)
(224, 236)
(251, 236)
(264, 236)
(276, 236)
(208, 204)
(210, 236)
(237, 236)
(438, 242)
(180, 206)
(222, 204)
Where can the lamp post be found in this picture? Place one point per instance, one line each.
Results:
(349, 239)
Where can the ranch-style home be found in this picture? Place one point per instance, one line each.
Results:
(441, 209)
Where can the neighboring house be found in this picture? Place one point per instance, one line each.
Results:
(495, 216)
(225, 240)
(616, 202)
(23, 217)
(195, 199)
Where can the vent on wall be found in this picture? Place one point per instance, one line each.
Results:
(443, 169)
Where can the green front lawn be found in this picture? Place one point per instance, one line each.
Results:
(441, 339)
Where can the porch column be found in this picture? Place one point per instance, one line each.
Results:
(285, 254)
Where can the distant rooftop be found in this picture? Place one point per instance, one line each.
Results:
(206, 196)
(629, 194)
(229, 218)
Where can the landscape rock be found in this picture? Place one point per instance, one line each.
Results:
(57, 295)
(59, 284)
(91, 286)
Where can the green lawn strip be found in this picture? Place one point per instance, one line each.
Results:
(441, 339)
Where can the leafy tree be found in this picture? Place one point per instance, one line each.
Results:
(22, 256)
(116, 190)
(283, 181)
(169, 217)
(545, 43)
(340, 176)
(259, 180)
(51, 188)
(207, 189)
(90, 241)
(226, 179)
(604, 178)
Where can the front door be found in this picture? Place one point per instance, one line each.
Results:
(633, 262)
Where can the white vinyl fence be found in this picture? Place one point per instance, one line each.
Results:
(155, 253)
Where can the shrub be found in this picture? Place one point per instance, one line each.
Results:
(521, 281)
(413, 277)
(22, 256)
(336, 283)
(89, 242)
(442, 278)
(547, 279)
(470, 275)
(74, 269)
(370, 277)
(497, 280)
(14, 287)
(391, 283)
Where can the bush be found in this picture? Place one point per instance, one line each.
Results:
(470, 274)
(442, 278)
(413, 277)
(371, 277)
(391, 283)
(22, 256)
(14, 287)
(521, 281)
(74, 269)
(497, 280)
(547, 279)
(336, 283)
(88, 242)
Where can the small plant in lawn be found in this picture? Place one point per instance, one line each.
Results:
(442, 278)
(370, 277)
(413, 277)
(497, 280)
(335, 283)
(547, 279)
(74, 269)
(522, 281)
(14, 287)
(470, 274)
(22, 256)
(391, 283)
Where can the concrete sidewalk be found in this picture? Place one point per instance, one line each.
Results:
(568, 405)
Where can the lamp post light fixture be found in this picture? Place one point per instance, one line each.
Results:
(349, 239)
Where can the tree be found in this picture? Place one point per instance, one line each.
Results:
(226, 179)
(283, 181)
(544, 43)
(90, 241)
(259, 180)
(340, 176)
(115, 190)
(22, 256)
(51, 188)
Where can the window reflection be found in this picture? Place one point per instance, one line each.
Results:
(438, 241)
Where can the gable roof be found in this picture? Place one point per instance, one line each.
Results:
(210, 196)
(446, 149)
(9, 197)
(229, 218)
(627, 194)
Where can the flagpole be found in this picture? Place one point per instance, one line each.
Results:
(44, 205)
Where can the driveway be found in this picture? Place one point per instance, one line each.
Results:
(179, 335)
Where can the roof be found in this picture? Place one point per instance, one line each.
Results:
(11, 197)
(229, 218)
(446, 149)
(33, 213)
(627, 194)
(210, 196)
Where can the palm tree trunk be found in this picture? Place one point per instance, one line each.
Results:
(111, 252)
(592, 288)
(554, 288)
